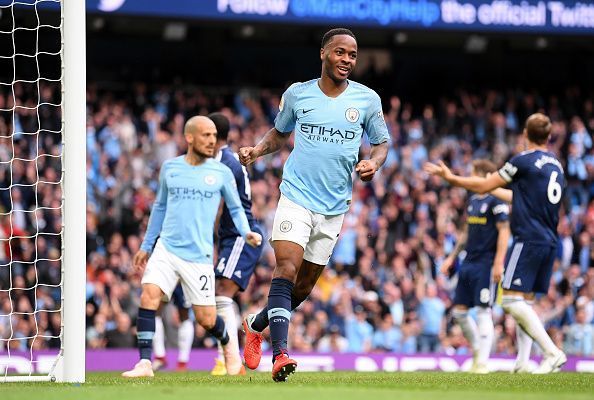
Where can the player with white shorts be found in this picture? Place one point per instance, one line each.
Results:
(183, 216)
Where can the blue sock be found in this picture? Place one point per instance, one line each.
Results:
(145, 327)
(279, 313)
(220, 331)
(261, 321)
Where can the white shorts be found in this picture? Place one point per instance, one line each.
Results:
(165, 270)
(316, 233)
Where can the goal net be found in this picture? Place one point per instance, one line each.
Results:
(42, 181)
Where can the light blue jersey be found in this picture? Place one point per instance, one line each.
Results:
(186, 207)
(328, 131)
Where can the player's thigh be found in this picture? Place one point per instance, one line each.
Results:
(237, 261)
(325, 235)
(542, 280)
(521, 268)
(161, 271)
(292, 223)
(198, 283)
(464, 294)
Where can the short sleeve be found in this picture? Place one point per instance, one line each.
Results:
(375, 125)
(285, 119)
(500, 211)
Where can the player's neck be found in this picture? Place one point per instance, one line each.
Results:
(194, 159)
(330, 87)
(533, 146)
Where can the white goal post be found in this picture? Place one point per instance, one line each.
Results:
(69, 365)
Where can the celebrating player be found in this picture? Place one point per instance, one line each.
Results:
(236, 261)
(328, 116)
(485, 238)
(536, 179)
(183, 215)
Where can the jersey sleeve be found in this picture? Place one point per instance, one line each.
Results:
(285, 119)
(512, 169)
(375, 125)
(233, 203)
(500, 211)
(157, 214)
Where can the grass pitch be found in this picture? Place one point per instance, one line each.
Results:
(313, 386)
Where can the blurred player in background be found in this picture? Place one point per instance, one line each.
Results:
(484, 237)
(183, 217)
(536, 179)
(236, 261)
(329, 116)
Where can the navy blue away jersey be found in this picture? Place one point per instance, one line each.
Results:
(231, 160)
(483, 214)
(537, 180)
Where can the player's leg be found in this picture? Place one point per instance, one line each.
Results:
(236, 265)
(160, 362)
(185, 332)
(523, 344)
(485, 293)
(308, 275)
(158, 282)
(530, 271)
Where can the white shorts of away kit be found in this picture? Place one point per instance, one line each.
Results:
(165, 270)
(316, 233)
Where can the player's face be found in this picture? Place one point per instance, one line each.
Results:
(339, 57)
(203, 141)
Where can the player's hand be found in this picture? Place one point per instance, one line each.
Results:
(247, 155)
(254, 239)
(366, 169)
(447, 265)
(140, 260)
(497, 272)
(439, 169)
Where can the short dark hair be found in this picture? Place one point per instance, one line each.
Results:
(222, 124)
(482, 166)
(538, 127)
(336, 31)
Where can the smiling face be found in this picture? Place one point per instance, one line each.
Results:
(339, 57)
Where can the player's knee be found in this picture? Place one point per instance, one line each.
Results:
(459, 314)
(151, 297)
(206, 321)
(509, 303)
(285, 269)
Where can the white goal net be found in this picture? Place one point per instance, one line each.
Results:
(38, 297)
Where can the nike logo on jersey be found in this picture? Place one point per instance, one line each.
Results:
(306, 111)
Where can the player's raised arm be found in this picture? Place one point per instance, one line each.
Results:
(275, 139)
(155, 222)
(272, 142)
(229, 191)
(475, 184)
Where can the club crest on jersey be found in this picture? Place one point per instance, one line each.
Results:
(210, 180)
(352, 114)
(484, 208)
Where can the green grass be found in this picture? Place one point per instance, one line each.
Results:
(313, 386)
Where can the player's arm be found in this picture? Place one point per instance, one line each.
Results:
(229, 192)
(503, 234)
(475, 184)
(155, 223)
(272, 142)
(502, 194)
(448, 263)
(368, 168)
(378, 134)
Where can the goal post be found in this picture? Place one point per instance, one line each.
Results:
(42, 190)
(73, 191)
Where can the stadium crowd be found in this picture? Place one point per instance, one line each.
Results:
(382, 290)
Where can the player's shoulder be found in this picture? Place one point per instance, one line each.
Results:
(230, 159)
(174, 162)
(359, 88)
(216, 165)
(298, 88)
